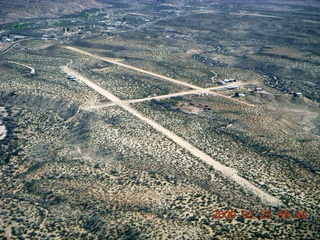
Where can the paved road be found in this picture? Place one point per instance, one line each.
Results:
(8, 48)
(266, 197)
(15, 43)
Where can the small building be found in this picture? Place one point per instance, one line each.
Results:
(222, 82)
(232, 80)
(5, 39)
(258, 89)
(72, 78)
(229, 80)
(237, 94)
(233, 87)
(296, 94)
(17, 37)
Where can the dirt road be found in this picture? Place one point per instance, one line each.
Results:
(265, 197)
(133, 68)
(158, 76)
(146, 99)
(32, 70)
(205, 90)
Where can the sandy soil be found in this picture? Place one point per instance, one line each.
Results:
(193, 51)
(4, 45)
(3, 132)
(105, 69)
(3, 129)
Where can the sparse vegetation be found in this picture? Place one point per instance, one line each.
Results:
(74, 165)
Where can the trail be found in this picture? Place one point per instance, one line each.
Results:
(32, 70)
(232, 173)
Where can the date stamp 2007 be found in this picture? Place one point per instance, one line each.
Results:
(262, 215)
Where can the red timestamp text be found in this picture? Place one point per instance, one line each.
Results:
(262, 215)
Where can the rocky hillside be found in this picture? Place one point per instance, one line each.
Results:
(11, 11)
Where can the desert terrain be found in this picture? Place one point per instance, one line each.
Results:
(142, 120)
